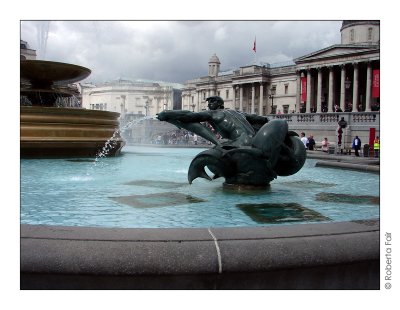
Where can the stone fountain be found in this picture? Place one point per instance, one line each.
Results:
(47, 130)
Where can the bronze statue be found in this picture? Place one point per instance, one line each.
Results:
(253, 150)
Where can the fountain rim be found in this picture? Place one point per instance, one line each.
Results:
(57, 69)
(216, 252)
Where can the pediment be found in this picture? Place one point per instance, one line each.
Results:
(336, 51)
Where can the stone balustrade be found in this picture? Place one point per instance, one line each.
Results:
(322, 125)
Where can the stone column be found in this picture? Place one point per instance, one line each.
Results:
(241, 98)
(355, 87)
(253, 95)
(261, 103)
(368, 92)
(308, 102)
(234, 97)
(198, 101)
(319, 91)
(298, 97)
(342, 87)
(330, 90)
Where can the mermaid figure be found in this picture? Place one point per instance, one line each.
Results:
(252, 150)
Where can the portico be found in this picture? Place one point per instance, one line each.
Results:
(345, 81)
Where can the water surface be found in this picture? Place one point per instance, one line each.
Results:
(147, 187)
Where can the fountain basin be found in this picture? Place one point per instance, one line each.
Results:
(129, 194)
(48, 132)
(311, 256)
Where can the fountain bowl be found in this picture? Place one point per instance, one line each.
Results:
(42, 72)
(50, 132)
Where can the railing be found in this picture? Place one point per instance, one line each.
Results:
(352, 118)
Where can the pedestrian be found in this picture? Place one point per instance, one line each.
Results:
(377, 145)
(356, 145)
(325, 145)
(311, 143)
(195, 139)
(337, 108)
(304, 139)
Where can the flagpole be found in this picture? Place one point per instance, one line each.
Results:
(255, 51)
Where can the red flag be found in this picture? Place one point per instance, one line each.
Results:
(254, 46)
(375, 83)
(303, 89)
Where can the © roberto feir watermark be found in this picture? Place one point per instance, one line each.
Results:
(388, 260)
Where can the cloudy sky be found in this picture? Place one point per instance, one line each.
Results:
(174, 51)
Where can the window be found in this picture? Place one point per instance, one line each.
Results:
(227, 94)
(369, 34)
(352, 35)
(204, 95)
(286, 89)
(285, 109)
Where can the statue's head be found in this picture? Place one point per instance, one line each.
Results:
(215, 102)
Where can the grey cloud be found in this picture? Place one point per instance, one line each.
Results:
(177, 51)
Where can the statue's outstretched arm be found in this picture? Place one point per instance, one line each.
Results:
(191, 122)
(184, 116)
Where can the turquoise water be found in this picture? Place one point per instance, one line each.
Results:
(147, 187)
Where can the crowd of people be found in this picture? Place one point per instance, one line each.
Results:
(310, 144)
(179, 137)
(184, 137)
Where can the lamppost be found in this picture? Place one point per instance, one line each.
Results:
(342, 124)
(147, 107)
(271, 96)
(193, 106)
(347, 85)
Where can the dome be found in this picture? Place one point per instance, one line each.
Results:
(350, 23)
(214, 59)
(360, 32)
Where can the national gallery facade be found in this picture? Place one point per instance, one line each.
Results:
(341, 78)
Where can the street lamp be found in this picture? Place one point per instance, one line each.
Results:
(271, 96)
(147, 107)
(193, 106)
(347, 85)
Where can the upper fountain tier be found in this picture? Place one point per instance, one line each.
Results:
(41, 73)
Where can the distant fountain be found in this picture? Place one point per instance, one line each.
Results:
(48, 130)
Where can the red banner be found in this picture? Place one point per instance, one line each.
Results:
(375, 83)
(303, 89)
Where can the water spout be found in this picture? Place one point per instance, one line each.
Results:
(135, 122)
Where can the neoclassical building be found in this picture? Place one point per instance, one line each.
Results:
(132, 98)
(344, 76)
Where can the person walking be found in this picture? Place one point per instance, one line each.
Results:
(356, 145)
(377, 145)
